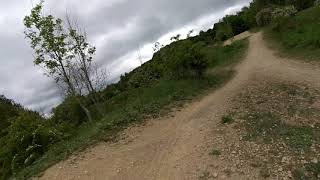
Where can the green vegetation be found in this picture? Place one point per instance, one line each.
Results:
(205, 176)
(227, 119)
(298, 36)
(309, 171)
(215, 152)
(270, 128)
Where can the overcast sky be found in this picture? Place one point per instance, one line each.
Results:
(116, 27)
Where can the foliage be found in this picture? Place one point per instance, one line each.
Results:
(187, 61)
(298, 36)
(63, 52)
(227, 119)
(49, 40)
(9, 109)
(69, 112)
(224, 31)
(238, 23)
(264, 17)
(286, 11)
(215, 152)
(268, 127)
(310, 171)
(29, 137)
(303, 4)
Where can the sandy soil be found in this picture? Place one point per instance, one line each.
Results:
(178, 147)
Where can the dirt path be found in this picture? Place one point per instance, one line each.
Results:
(179, 147)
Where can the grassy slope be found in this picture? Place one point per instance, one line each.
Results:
(298, 37)
(140, 104)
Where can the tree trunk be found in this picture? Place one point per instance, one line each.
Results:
(73, 92)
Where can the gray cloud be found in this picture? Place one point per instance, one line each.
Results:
(116, 27)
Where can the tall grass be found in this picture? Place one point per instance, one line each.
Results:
(297, 36)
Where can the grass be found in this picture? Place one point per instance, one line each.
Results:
(309, 171)
(215, 152)
(205, 176)
(269, 128)
(279, 112)
(264, 172)
(137, 105)
(227, 119)
(299, 36)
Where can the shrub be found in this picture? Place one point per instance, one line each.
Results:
(286, 11)
(264, 17)
(303, 4)
(188, 62)
(224, 31)
(281, 15)
(227, 119)
(69, 111)
(317, 3)
(28, 138)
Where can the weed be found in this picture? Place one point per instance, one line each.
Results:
(310, 171)
(215, 152)
(299, 174)
(205, 176)
(265, 172)
(227, 119)
(297, 137)
(269, 128)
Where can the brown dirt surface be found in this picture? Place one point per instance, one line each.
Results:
(193, 143)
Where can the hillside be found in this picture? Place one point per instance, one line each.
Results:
(201, 108)
(254, 127)
(263, 124)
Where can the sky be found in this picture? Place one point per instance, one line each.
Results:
(118, 29)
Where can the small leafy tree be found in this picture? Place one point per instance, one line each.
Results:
(176, 38)
(224, 31)
(63, 52)
(190, 33)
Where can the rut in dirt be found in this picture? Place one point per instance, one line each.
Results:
(179, 147)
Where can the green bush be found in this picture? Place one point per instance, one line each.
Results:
(264, 17)
(70, 112)
(188, 61)
(303, 4)
(280, 15)
(224, 31)
(28, 138)
(298, 36)
(281, 12)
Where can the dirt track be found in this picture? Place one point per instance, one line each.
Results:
(178, 147)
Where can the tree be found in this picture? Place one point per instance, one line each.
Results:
(224, 31)
(303, 4)
(175, 38)
(190, 33)
(83, 54)
(63, 52)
